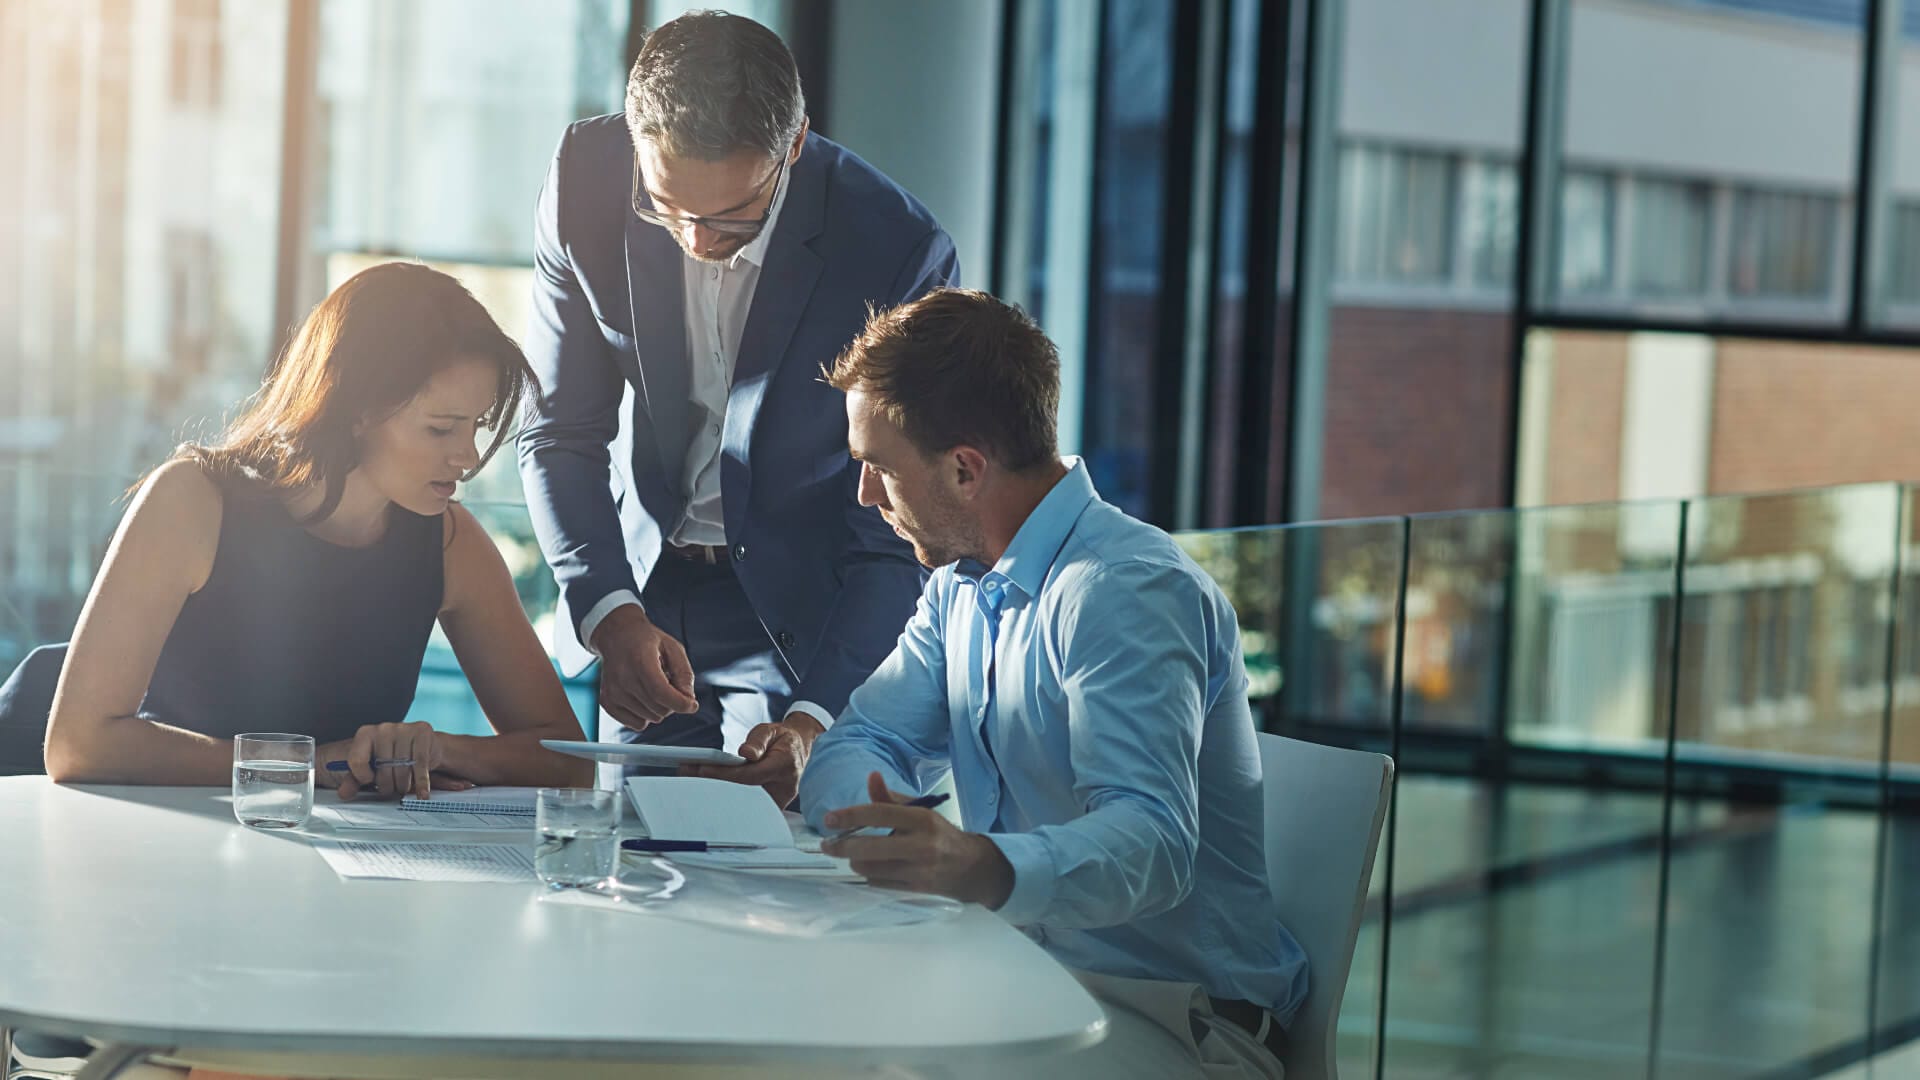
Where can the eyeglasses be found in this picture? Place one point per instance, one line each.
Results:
(723, 225)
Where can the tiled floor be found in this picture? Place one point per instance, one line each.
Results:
(1526, 929)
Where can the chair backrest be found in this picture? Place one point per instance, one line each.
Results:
(1325, 807)
(25, 698)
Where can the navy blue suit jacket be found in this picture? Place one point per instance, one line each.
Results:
(603, 460)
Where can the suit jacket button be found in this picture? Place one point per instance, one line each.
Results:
(739, 552)
(784, 639)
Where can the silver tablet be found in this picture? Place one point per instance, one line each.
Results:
(642, 754)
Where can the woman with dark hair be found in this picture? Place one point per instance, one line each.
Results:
(287, 576)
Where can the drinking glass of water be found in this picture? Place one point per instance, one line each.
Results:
(576, 836)
(272, 780)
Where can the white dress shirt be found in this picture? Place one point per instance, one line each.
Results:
(716, 299)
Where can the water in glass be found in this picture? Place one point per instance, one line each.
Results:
(576, 836)
(574, 856)
(271, 794)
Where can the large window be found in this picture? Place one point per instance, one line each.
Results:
(137, 261)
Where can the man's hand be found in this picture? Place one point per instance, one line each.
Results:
(644, 673)
(776, 756)
(926, 853)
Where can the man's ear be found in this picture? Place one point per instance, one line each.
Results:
(969, 468)
(800, 140)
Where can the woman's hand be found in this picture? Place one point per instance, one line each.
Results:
(410, 742)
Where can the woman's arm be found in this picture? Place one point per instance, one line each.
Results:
(508, 670)
(162, 554)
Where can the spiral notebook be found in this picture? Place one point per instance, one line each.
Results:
(480, 800)
(476, 809)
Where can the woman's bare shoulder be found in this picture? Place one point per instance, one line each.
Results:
(176, 518)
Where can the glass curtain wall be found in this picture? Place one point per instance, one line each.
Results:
(138, 214)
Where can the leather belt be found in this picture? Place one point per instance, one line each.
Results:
(711, 554)
(1249, 1017)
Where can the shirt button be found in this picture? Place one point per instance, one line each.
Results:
(784, 639)
(713, 429)
(739, 553)
(716, 273)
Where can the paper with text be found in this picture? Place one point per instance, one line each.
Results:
(511, 863)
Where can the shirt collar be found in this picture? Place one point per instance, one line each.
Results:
(756, 252)
(1027, 560)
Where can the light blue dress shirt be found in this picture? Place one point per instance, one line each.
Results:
(1088, 695)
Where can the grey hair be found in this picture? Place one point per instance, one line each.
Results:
(709, 85)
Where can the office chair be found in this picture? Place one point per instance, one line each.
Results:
(29, 1055)
(1325, 806)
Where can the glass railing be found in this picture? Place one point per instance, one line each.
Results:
(1659, 761)
(1658, 769)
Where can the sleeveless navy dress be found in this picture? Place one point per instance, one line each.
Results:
(290, 633)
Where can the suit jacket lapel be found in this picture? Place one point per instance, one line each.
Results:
(787, 280)
(654, 268)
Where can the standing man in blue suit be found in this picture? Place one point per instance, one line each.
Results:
(696, 261)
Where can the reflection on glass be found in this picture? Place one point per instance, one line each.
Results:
(1783, 626)
(1457, 572)
(1592, 612)
(1318, 606)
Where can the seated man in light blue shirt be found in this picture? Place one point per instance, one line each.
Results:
(1082, 680)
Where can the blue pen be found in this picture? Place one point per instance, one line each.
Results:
(924, 802)
(650, 846)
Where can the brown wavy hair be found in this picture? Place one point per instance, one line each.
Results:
(362, 355)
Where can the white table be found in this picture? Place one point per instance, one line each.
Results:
(148, 916)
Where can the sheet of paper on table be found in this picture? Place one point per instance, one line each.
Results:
(350, 859)
(394, 816)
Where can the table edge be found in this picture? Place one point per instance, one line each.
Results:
(586, 1050)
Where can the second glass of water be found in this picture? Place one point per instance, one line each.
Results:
(576, 836)
(272, 780)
